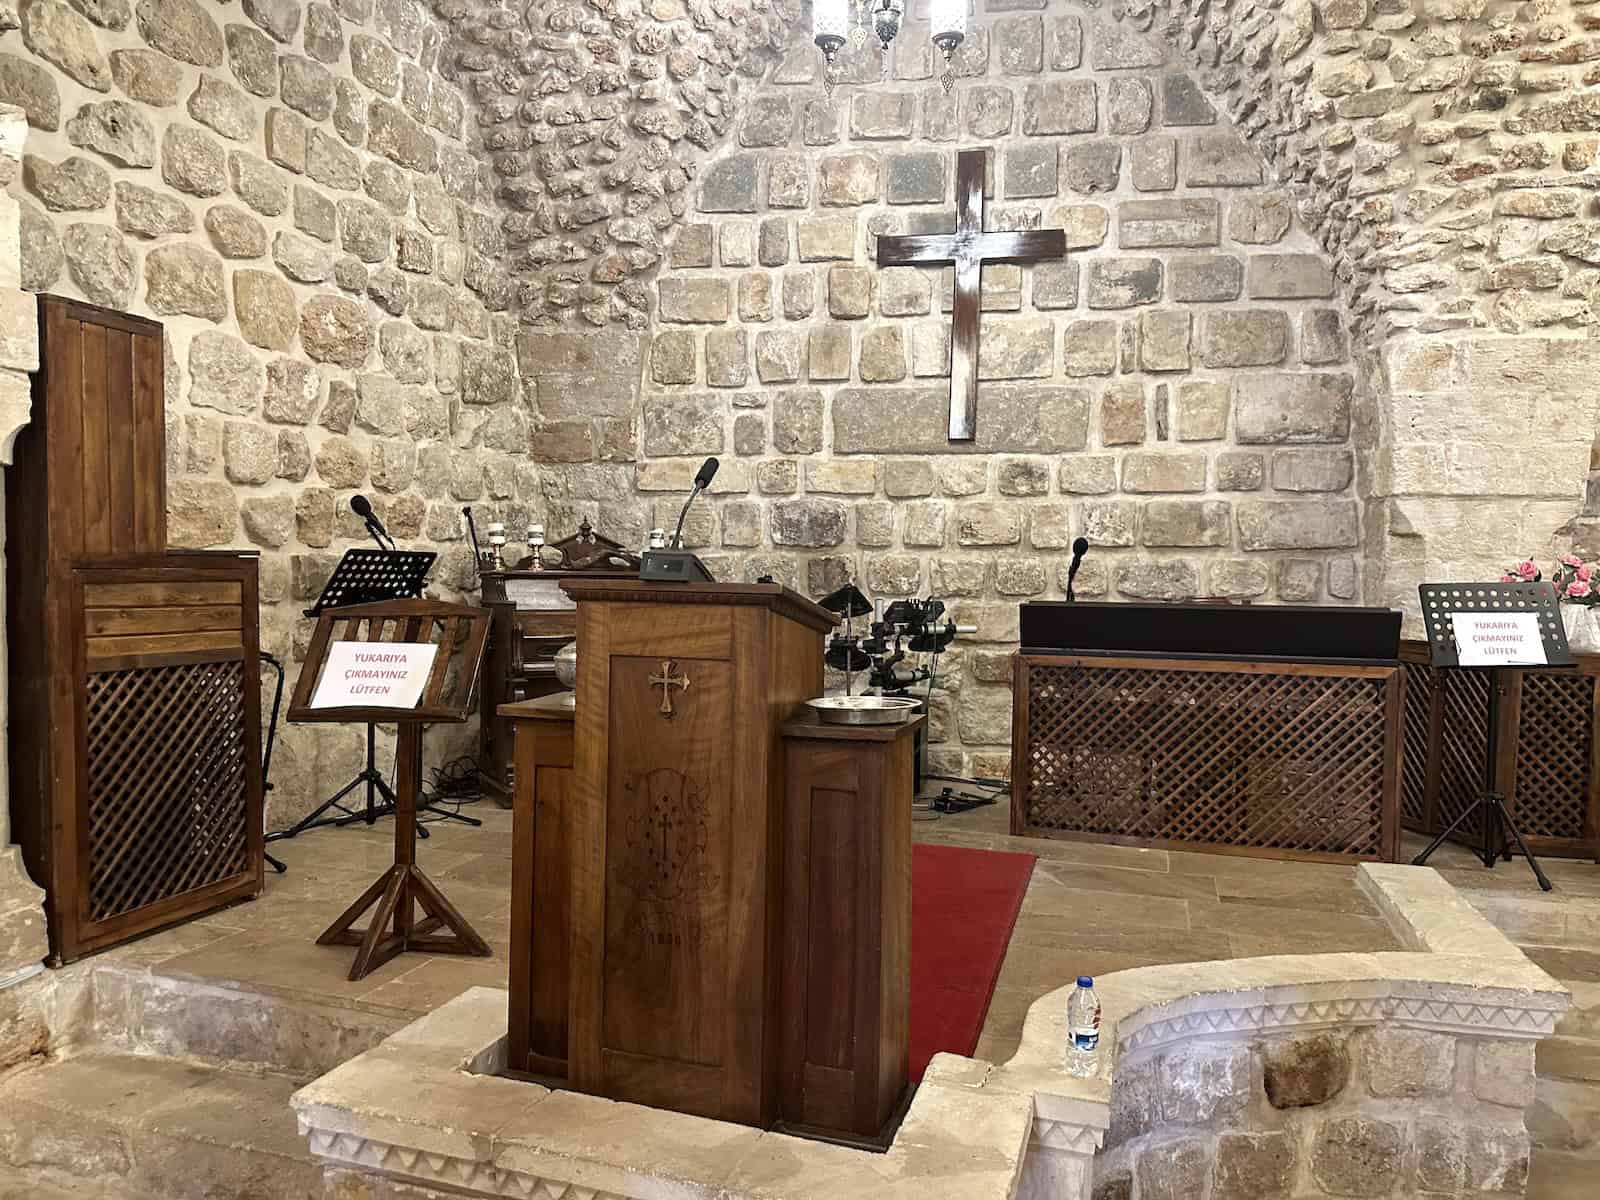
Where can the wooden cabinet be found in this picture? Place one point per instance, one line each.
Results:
(134, 690)
(530, 619)
(676, 917)
(541, 886)
(846, 1016)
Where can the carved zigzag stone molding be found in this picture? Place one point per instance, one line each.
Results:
(346, 1149)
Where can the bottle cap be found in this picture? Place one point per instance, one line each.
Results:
(1085, 982)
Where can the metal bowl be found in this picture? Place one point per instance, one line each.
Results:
(864, 710)
(566, 660)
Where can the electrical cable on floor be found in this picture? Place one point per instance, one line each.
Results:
(451, 787)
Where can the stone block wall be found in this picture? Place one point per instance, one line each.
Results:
(1381, 1111)
(290, 188)
(1178, 390)
(1322, 332)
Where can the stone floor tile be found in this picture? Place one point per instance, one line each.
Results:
(1097, 877)
(439, 980)
(1319, 892)
(287, 965)
(1259, 920)
(1105, 910)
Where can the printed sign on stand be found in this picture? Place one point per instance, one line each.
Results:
(1504, 639)
(374, 675)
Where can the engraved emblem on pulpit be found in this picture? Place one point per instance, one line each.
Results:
(666, 836)
(666, 680)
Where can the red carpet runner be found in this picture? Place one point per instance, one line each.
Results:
(963, 906)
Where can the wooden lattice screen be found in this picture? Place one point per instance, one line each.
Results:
(1546, 767)
(167, 815)
(168, 791)
(1291, 760)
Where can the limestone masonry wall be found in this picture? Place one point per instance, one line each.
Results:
(289, 188)
(1369, 1113)
(1323, 329)
(1178, 390)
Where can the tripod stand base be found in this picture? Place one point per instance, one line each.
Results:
(1495, 817)
(394, 928)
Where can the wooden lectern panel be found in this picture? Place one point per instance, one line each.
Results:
(676, 839)
(667, 829)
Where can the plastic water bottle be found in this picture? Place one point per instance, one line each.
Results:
(1083, 1029)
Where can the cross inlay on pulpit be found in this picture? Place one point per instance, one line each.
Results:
(666, 681)
(968, 248)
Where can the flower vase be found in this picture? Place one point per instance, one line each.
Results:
(1582, 624)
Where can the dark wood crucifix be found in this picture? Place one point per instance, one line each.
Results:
(968, 248)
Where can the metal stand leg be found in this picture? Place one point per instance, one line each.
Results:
(1421, 860)
(376, 786)
(1505, 816)
(1499, 830)
(444, 814)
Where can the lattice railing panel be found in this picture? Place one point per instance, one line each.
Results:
(1279, 761)
(168, 812)
(1555, 737)
(1422, 682)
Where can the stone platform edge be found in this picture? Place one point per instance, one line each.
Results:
(426, 1107)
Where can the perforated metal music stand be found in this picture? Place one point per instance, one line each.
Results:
(1440, 603)
(367, 576)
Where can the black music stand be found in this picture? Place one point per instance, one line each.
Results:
(366, 576)
(1440, 603)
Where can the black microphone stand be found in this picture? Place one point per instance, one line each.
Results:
(1080, 547)
(677, 534)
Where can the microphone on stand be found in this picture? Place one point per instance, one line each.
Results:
(1080, 547)
(675, 564)
(362, 507)
(702, 480)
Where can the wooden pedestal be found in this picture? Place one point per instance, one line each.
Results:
(541, 884)
(396, 894)
(846, 1007)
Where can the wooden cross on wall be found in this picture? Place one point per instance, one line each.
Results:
(968, 248)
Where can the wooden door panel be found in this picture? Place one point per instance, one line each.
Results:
(669, 788)
(552, 907)
(832, 854)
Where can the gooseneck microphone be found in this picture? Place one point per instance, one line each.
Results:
(1080, 547)
(362, 507)
(675, 564)
(702, 480)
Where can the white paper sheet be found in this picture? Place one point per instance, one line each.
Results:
(374, 675)
(1498, 639)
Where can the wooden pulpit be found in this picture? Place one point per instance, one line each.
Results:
(676, 828)
(458, 634)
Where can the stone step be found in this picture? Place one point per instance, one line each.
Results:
(1558, 1175)
(30, 1185)
(1537, 918)
(130, 1128)
(142, 1012)
(1565, 1115)
(1572, 1058)
(1582, 1020)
